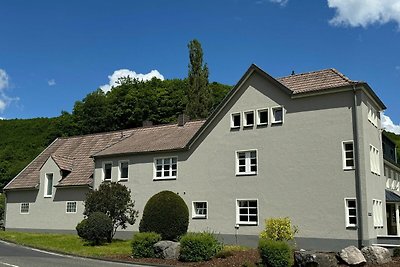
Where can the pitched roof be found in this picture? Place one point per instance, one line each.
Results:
(315, 81)
(71, 154)
(152, 139)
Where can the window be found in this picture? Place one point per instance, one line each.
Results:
(247, 212)
(348, 155)
(123, 170)
(199, 209)
(246, 162)
(248, 118)
(374, 160)
(24, 208)
(235, 120)
(165, 168)
(351, 212)
(262, 116)
(372, 115)
(377, 212)
(277, 115)
(71, 207)
(48, 185)
(107, 167)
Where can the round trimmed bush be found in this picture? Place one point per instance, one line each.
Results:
(275, 253)
(166, 214)
(96, 228)
(199, 247)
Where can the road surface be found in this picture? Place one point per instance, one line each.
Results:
(17, 256)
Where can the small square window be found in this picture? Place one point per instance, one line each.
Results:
(235, 120)
(123, 170)
(247, 212)
(199, 209)
(165, 168)
(262, 116)
(107, 168)
(24, 208)
(248, 118)
(71, 207)
(277, 115)
(246, 162)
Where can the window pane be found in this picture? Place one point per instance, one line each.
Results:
(253, 168)
(250, 118)
(236, 120)
(349, 162)
(351, 203)
(173, 160)
(263, 116)
(243, 218)
(173, 173)
(241, 155)
(349, 154)
(166, 161)
(252, 154)
(243, 204)
(277, 114)
(159, 161)
(49, 184)
(352, 212)
(242, 169)
(252, 218)
(253, 203)
(353, 220)
(124, 170)
(158, 174)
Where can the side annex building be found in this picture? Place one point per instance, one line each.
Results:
(307, 146)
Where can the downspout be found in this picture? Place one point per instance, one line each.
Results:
(357, 171)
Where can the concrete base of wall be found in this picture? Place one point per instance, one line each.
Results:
(318, 244)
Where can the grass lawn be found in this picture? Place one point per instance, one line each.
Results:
(70, 244)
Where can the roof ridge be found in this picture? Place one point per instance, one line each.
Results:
(304, 73)
(344, 77)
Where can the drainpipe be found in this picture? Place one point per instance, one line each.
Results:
(357, 171)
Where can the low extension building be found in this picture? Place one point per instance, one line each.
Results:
(307, 146)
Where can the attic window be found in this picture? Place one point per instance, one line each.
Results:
(235, 120)
(277, 115)
(262, 116)
(248, 118)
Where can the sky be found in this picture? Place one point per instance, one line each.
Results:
(53, 53)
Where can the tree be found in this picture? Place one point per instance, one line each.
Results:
(114, 200)
(2, 207)
(199, 97)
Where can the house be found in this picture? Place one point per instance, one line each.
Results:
(307, 146)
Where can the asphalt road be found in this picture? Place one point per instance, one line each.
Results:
(17, 256)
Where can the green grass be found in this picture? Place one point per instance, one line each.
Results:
(70, 244)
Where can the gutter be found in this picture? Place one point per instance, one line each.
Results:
(357, 171)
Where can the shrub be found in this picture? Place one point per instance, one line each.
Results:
(142, 244)
(223, 254)
(199, 247)
(167, 214)
(279, 229)
(396, 252)
(95, 228)
(275, 253)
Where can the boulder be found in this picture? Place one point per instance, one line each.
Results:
(167, 249)
(312, 258)
(352, 256)
(376, 254)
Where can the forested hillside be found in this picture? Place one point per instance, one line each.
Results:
(396, 139)
(125, 106)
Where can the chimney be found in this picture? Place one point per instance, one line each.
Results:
(293, 72)
(182, 119)
(147, 123)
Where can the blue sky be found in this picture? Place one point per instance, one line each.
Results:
(52, 53)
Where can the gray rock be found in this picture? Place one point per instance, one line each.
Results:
(376, 254)
(167, 249)
(312, 258)
(352, 256)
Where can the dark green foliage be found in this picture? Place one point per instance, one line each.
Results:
(199, 247)
(96, 228)
(114, 200)
(199, 96)
(275, 253)
(142, 244)
(223, 254)
(395, 138)
(167, 214)
(396, 252)
(2, 207)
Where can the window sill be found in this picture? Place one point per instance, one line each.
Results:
(235, 127)
(123, 180)
(248, 126)
(197, 217)
(107, 181)
(71, 212)
(162, 179)
(351, 227)
(246, 174)
(48, 196)
(349, 169)
(277, 122)
(262, 124)
(247, 224)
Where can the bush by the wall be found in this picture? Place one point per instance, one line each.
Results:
(96, 228)
(275, 253)
(396, 252)
(279, 229)
(167, 214)
(199, 247)
(142, 244)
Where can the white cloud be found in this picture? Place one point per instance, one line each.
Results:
(388, 124)
(2, 105)
(362, 13)
(51, 82)
(397, 68)
(1, 118)
(3, 80)
(5, 100)
(280, 2)
(125, 73)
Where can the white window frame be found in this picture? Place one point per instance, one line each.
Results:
(259, 123)
(347, 213)
(66, 207)
(273, 121)
(344, 158)
(245, 123)
(238, 222)
(171, 177)
(374, 160)
(247, 162)
(120, 171)
(233, 126)
(372, 115)
(195, 215)
(377, 212)
(24, 204)
(46, 184)
(104, 171)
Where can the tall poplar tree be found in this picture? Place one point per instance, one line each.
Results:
(199, 97)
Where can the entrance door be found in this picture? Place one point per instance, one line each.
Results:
(391, 218)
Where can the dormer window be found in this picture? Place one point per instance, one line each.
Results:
(235, 120)
(48, 185)
(262, 116)
(277, 115)
(248, 119)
